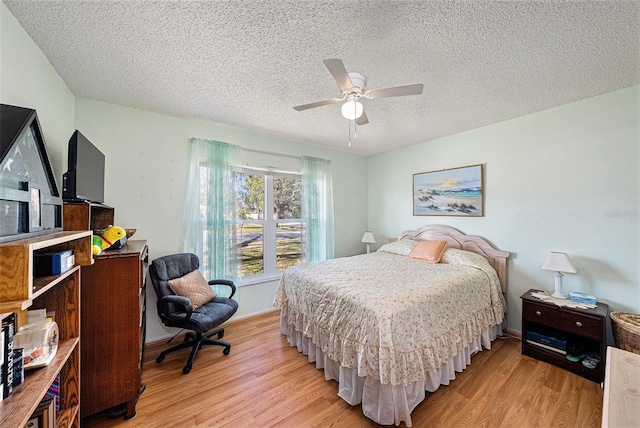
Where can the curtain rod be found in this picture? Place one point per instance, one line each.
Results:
(271, 153)
(264, 152)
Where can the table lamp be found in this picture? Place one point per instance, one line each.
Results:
(368, 239)
(559, 262)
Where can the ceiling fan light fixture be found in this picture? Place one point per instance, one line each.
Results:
(352, 109)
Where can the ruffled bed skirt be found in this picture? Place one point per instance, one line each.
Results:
(386, 404)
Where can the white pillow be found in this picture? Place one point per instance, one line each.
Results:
(401, 247)
(455, 256)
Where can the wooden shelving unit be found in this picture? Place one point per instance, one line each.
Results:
(87, 216)
(20, 291)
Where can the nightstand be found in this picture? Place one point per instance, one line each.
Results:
(577, 328)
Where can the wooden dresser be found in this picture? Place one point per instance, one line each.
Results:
(113, 329)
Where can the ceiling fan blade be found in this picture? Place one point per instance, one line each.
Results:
(395, 91)
(317, 104)
(362, 120)
(337, 70)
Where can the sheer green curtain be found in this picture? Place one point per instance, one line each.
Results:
(317, 209)
(209, 220)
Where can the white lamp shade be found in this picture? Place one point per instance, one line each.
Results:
(559, 262)
(352, 109)
(368, 238)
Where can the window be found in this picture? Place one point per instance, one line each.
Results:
(270, 224)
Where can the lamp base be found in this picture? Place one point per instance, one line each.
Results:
(558, 294)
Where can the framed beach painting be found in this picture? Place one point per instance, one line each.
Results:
(454, 192)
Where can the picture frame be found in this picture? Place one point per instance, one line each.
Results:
(35, 207)
(449, 192)
(44, 416)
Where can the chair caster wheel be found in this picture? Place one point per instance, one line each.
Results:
(160, 359)
(186, 370)
(221, 335)
(226, 350)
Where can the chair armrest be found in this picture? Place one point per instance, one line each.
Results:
(224, 282)
(181, 301)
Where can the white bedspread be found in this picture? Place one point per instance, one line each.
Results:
(390, 319)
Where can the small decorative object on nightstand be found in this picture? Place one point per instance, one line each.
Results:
(368, 239)
(571, 338)
(559, 262)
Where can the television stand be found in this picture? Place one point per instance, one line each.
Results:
(83, 215)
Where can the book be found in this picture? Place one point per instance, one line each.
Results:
(550, 348)
(54, 393)
(1, 361)
(8, 330)
(544, 339)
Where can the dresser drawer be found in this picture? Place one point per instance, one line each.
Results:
(541, 314)
(581, 324)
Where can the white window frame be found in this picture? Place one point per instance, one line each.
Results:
(269, 225)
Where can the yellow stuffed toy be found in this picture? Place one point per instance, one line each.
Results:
(96, 245)
(113, 237)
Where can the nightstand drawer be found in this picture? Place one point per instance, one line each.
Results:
(541, 314)
(581, 324)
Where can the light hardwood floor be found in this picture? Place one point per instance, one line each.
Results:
(264, 382)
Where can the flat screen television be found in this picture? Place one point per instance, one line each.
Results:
(84, 179)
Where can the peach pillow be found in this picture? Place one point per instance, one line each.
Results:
(428, 251)
(194, 287)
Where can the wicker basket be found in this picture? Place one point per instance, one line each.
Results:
(626, 331)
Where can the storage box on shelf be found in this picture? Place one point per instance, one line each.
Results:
(21, 290)
(563, 330)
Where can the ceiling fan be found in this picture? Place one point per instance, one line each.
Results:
(353, 88)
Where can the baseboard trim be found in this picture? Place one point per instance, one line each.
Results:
(252, 315)
(161, 342)
(513, 333)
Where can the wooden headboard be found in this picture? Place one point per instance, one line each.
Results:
(457, 239)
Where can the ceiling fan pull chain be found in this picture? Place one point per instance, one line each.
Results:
(349, 133)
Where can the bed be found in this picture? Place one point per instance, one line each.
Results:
(388, 328)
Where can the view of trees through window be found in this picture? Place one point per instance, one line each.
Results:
(271, 239)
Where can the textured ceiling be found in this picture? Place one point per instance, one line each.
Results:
(247, 63)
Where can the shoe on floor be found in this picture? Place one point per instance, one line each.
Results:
(575, 357)
(591, 360)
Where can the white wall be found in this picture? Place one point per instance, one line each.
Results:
(564, 179)
(27, 79)
(146, 173)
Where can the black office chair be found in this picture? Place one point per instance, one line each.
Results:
(177, 311)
